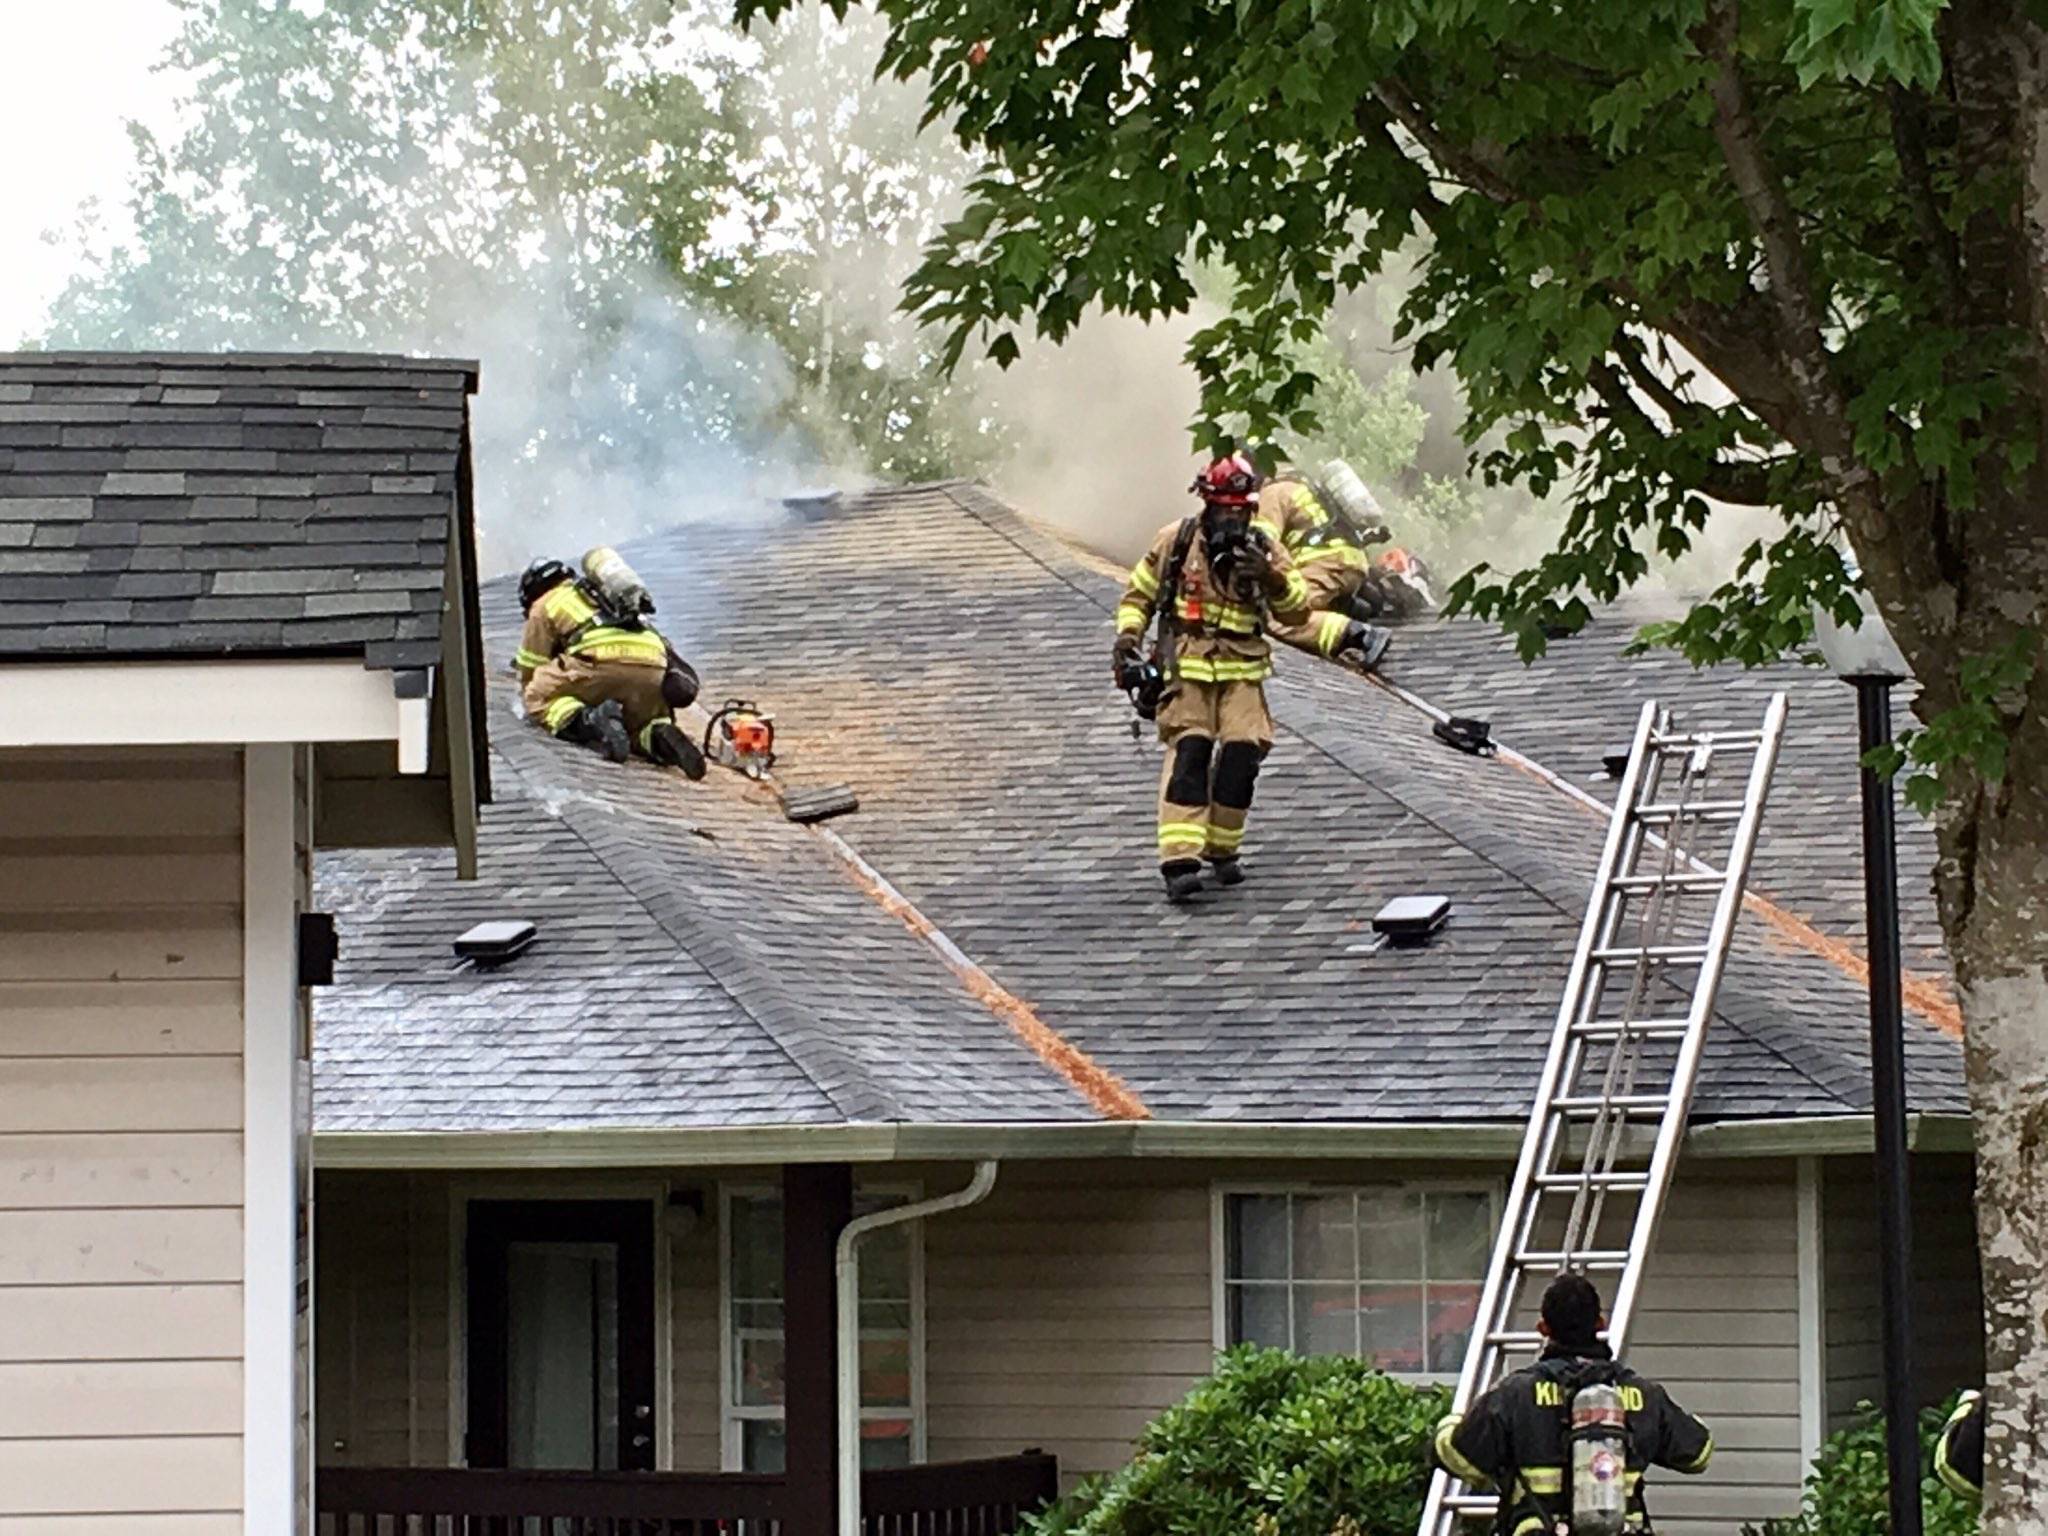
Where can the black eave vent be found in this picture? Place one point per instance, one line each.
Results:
(1410, 920)
(494, 943)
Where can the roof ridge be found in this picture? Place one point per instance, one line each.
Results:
(702, 945)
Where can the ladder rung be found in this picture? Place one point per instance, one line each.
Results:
(1472, 1504)
(1668, 882)
(1517, 1338)
(1620, 1103)
(1686, 740)
(1635, 1029)
(1591, 1258)
(1678, 954)
(1704, 811)
(1592, 1181)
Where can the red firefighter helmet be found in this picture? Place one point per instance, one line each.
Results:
(1228, 482)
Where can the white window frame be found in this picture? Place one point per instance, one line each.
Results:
(1219, 1236)
(731, 1415)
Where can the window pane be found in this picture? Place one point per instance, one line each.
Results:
(758, 1361)
(1452, 1309)
(885, 1372)
(1258, 1315)
(1324, 1237)
(1257, 1237)
(1460, 1235)
(1390, 1325)
(1326, 1319)
(885, 1443)
(756, 1240)
(761, 1445)
(1390, 1234)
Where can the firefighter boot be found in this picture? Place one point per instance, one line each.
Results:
(1183, 879)
(602, 728)
(1362, 646)
(1227, 871)
(667, 744)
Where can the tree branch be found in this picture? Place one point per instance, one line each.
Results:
(1651, 382)
(1739, 482)
(1468, 165)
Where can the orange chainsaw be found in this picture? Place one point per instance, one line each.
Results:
(741, 737)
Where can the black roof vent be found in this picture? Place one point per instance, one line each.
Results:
(1616, 764)
(489, 944)
(1407, 921)
(813, 501)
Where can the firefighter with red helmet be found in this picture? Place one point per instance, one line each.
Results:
(1216, 583)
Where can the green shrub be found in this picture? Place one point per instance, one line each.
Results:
(1271, 1445)
(1847, 1491)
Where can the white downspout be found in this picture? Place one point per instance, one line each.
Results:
(846, 1271)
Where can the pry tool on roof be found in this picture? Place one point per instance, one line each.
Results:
(595, 671)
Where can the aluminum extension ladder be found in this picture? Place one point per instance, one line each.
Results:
(1589, 1188)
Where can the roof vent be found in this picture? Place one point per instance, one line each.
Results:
(1409, 921)
(813, 501)
(489, 944)
(1616, 764)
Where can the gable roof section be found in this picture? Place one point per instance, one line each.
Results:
(945, 657)
(212, 505)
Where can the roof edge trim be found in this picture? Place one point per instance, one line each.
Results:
(638, 1147)
(214, 701)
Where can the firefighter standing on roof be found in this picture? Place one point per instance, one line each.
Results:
(1518, 1438)
(1328, 550)
(594, 671)
(1213, 581)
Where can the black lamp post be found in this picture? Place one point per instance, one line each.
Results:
(1867, 658)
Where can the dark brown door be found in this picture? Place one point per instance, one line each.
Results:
(561, 1334)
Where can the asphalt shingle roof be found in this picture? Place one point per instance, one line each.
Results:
(227, 504)
(945, 657)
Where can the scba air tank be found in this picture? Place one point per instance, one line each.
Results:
(623, 590)
(1599, 1461)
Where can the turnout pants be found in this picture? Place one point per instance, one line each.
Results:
(1216, 734)
(568, 683)
(1332, 584)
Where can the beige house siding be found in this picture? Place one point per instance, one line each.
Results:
(120, 1143)
(1065, 1313)
(1948, 1323)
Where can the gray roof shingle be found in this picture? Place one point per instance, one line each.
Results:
(227, 504)
(952, 674)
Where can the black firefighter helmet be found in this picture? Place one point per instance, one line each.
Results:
(540, 577)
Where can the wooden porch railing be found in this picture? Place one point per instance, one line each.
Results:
(969, 1498)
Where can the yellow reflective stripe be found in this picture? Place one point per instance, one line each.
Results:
(1269, 528)
(530, 659)
(1144, 580)
(558, 713)
(568, 606)
(1130, 619)
(1339, 552)
(1297, 591)
(608, 644)
(1529, 1525)
(1699, 1462)
(1224, 615)
(1952, 1479)
(1543, 1480)
(1449, 1454)
(1330, 630)
(1228, 839)
(1203, 669)
(1181, 834)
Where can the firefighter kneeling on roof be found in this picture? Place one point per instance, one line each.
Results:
(1213, 581)
(594, 671)
(1565, 1442)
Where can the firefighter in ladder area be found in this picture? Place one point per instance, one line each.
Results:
(1213, 581)
(1328, 548)
(1959, 1453)
(1565, 1442)
(594, 671)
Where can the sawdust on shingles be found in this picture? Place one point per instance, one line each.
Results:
(1101, 1087)
(1925, 995)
